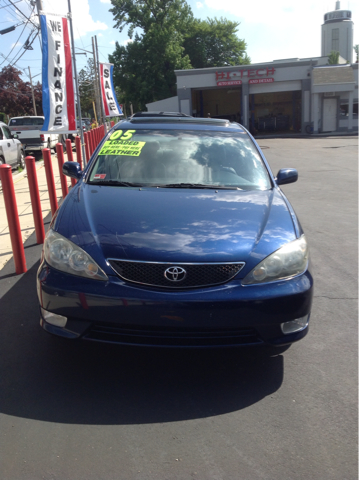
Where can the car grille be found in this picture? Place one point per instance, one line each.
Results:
(196, 274)
(170, 336)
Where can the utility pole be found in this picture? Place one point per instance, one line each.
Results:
(39, 5)
(76, 85)
(99, 87)
(96, 83)
(32, 91)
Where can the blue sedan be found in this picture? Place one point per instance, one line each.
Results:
(176, 234)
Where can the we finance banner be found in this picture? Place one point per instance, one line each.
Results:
(58, 99)
(109, 100)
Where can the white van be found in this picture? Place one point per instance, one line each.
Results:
(28, 131)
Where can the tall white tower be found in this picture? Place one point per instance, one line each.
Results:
(337, 33)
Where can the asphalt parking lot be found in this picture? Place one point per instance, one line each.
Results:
(92, 412)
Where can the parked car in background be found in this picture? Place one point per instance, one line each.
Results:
(28, 130)
(177, 234)
(11, 149)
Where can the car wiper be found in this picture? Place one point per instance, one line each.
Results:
(118, 183)
(197, 185)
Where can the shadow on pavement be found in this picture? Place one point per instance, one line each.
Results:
(50, 379)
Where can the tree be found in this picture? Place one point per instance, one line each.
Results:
(166, 38)
(356, 50)
(86, 79)
(214, 43)
(333, 58)
(15, 94)
(145, 67)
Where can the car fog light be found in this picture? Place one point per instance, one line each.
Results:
(295, 325)
(53, 319)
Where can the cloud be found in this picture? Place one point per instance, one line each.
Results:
(105, 1)
(126, 42)
(112, 42)
(83, 22)
(199, 5)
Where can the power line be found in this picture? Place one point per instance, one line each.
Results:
(29, 45)
(22, 31)
(23, 14)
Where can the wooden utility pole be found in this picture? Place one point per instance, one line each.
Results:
(102, 110)
(32, 92)
(96, 82)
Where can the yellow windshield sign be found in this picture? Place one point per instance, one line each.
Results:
(120, 144)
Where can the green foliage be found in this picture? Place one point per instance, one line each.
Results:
(356, 50)
(214, 43)
(166, 37)
(333, 58)
(151, 15)
(86, 79)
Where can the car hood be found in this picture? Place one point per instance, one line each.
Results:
(175, 225)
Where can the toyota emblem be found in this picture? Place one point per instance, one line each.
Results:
(175, 274)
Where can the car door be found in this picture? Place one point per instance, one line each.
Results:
(9, 146)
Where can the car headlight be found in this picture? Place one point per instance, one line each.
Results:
(290, 260)
(64, 255)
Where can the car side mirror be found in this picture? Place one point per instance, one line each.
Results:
(72, 169)
(15, 135)
(286, 175)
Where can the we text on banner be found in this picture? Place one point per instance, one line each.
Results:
(109, 100)
(58, 99)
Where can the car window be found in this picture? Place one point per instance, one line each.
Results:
(26, 121)
(173, 157)
(7, 132)
(1, 134)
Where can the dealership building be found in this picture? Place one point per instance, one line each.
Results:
(283, 96)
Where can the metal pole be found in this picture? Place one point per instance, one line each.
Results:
(97, 92)
(99, 86)
(76, 82)
(32, 92)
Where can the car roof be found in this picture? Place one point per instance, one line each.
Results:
(27, 116)
(180, 123)
(159, 114)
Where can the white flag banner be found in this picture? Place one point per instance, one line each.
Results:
(109, 100)
(58, 99)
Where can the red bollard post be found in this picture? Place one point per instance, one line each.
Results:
(93, 140)
(35, 199)
(70, 158)
(50, 180)
(112, 123)
(60, 158)
(96, 137)
(13, 218)
(78, 150)
(89, 136)
(87, 146)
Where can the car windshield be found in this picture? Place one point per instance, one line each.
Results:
(26, 121)
(179, 158)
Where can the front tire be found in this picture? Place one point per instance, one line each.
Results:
(22, 160)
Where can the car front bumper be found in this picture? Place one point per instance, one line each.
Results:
(224, 315)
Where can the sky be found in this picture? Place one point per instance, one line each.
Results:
(272, 30)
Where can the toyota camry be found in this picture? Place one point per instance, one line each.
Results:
(176, 234)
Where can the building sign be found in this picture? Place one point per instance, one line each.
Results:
(233, 82)
(109, 100)
(58, 99)
(261, 80)
(236, 77)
